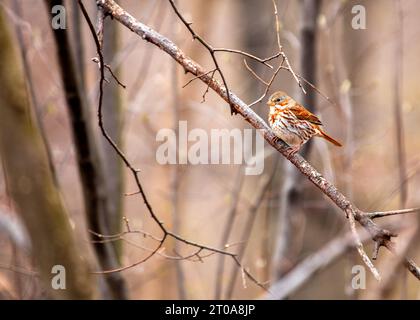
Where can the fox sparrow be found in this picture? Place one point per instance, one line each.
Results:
(292, 123)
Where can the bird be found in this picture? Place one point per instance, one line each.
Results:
(293, 123)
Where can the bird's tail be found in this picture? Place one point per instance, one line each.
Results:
(328, 138)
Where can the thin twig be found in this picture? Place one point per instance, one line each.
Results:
(207, 89)
(209, 48)
(359, 246)
(285, 59)
(199, 76)
(255, 74)
(288, 67)
(267, 88)
(315, 88)
(114, 76)
(123, 233)
(380, 214)
(251, 56)
(107, 66)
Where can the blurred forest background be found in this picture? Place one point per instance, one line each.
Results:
(275, 221)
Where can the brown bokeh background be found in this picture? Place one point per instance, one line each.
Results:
(355, 68)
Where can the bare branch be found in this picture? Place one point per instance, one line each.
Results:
(255, 74)
(114, 76)
(209, 48)
(285, 59)
(315, 88)
(251, 56)
(268, 86)
(198, 77)
(359, 247)
(96, 60)
(379, 214)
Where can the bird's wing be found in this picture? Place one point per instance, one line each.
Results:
(302, 114)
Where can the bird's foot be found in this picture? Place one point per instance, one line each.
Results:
(275, 140)
(292, 150)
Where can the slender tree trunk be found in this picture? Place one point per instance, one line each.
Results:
(112, 110)
(31, 181)
(79, 52)
(91, 165)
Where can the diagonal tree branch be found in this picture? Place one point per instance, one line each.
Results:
(381, 236)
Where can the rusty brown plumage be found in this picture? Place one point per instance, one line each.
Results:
(293, 123)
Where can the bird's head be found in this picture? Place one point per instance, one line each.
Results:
(277, 98)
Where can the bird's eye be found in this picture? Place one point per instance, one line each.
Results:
(277, 100)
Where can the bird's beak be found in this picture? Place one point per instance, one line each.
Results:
(269, 103)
